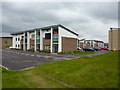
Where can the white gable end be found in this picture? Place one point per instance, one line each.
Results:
(65, 33)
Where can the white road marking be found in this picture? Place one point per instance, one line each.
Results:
(38, 56)
(26, 54)
(22, 53)
(32, 55)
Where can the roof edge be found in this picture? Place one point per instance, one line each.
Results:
(43, 28)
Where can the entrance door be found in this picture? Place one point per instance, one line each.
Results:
(25, 46)
(55, 48)
(38, 47)
(22, 46)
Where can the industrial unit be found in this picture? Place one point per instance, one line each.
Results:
(55, 38)
(5, 42)
(83, 43)
(114, 39)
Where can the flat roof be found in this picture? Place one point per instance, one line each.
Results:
(45, 28)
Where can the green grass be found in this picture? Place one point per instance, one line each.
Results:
(0, 78)
(79, 52)
(86, 72)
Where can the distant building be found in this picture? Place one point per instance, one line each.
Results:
(55, 38)
(5, 42)
(114, 38)
(106, 45)
(91, 44)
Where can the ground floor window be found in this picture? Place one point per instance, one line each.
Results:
(16, 45)
(47, 47)
(32, 46)
(38, 47)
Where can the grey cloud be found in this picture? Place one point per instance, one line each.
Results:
(104, 11)
(87, 19)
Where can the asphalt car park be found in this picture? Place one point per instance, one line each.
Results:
(16, 60)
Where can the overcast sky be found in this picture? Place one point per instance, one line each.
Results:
(91, 20)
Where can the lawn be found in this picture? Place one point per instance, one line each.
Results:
(79, 52)
(86, 72)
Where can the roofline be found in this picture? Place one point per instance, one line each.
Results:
(5, 37)
(31, 30)
(114, 28)
(94, 40)
(68, 30)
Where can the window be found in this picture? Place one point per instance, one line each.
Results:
(48, 36)
(16, 39)
(55, 35)
(25, 40)
(47, 47)
(32, 46)
(32, 36)
(25, 34)
(16, 45)
(22, 37)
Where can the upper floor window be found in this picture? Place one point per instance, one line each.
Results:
(32, 36)
(25, 34)
(22, 37)
(16, 39)
(48, 36)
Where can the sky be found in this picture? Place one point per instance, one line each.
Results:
(91, 20)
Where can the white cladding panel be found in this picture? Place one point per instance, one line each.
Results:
(59, 40)
(31, 33)
(65, 33)
(45, 31)
(16, 42)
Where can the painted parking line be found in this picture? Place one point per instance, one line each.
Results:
(23, 53)
(32, 55)
(17, 53)
(27, 54)
(47, 57)
(38, 56)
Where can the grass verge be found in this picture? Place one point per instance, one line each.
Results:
(79, 52)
